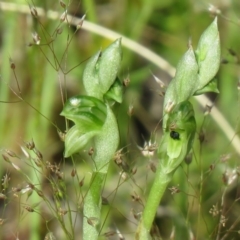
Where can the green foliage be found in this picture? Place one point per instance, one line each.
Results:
(89, 113)
(94, 118)
(43, 194)
(195, 71)
(192, 74)
(101, 71)
(172, 150)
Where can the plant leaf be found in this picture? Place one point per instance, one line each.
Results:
(76, 139)
(85, 111)
(208, 54)
(115, 92)
(210, 87)
(101, 70)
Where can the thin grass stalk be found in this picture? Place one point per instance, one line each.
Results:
(90, 7)
(9, 45)
(44, 85)
(35, 131)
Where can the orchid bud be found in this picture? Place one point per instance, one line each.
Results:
(208, 54)
(101, 70)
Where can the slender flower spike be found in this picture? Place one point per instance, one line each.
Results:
(95, 120)
(196, 71)
(194, 75)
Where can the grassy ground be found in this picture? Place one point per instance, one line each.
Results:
(42, 188)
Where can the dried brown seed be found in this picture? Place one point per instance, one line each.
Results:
(134, 171)
(38, 153)
(59, 31)
(153, 167)
(49, 236)
(38, 162)
(174, 190)
(62, 212)
(40, 193)
(109, 234)
(126, 81)
(81, 182)
(29, 209)
(73, 173)
(12, 64)
(80, 23)
(63, 16)
(63, 5)
(105, 201)
(3, 196)
(36, 38)
(93, 221)
(91, 151)
(30, 145)
(10, 153)
(6, 158)
(61, 135)
(5, 181)
(33, 11)
(201, 136)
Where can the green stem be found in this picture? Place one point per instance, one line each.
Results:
(173, 148)
(106, 145)
(158, 189)
(92, 207)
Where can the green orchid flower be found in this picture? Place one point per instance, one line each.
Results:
(95, 121)
(195, 71)
(194, 75)
(178, 137)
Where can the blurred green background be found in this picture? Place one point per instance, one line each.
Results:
(42, 74)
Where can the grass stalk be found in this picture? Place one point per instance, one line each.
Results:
(7, 51)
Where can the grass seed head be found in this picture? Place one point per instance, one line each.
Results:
(30, 145)
(10, 153)
(81, 183)
(5, 181)
(33, 11)
(6, 158)
(3, 196)
(62, 4)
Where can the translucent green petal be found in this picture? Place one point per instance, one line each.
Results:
(115, 92)
(76, 139)
(85, 110)
(208, 54)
